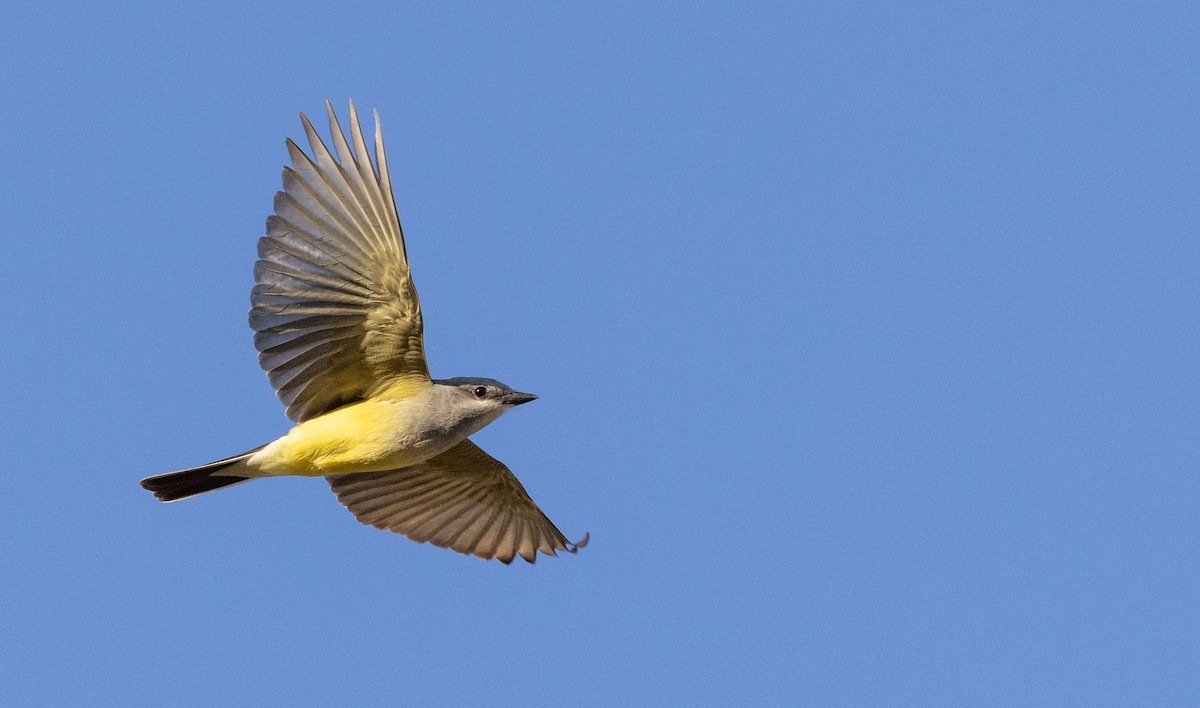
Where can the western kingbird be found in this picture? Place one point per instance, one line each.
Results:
(338, 328)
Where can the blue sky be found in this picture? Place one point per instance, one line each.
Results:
(865, 334)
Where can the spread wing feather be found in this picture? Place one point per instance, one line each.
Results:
(463, 499)
(334, 309)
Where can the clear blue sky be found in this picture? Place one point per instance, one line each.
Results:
(866, 336)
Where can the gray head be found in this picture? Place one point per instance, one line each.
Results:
(484, 395)
(466, 405)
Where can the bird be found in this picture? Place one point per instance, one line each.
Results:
(338, 328)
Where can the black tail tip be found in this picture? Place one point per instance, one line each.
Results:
(189, 483)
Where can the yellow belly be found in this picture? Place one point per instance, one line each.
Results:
(370, 436)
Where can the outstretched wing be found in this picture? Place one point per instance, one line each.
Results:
(463, 499)
(334, 311)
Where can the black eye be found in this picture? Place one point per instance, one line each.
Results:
(480, 391)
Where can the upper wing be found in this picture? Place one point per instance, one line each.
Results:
(463, 499)
(334, 310)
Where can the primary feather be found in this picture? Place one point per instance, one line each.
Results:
(463, 499)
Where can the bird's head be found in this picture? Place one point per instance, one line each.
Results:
(488, 392)
(483, 399)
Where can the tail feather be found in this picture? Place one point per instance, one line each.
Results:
(197, 480)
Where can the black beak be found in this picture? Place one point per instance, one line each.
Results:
(516, 398)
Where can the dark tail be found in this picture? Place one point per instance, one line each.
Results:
(198, 480)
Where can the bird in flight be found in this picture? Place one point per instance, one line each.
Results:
(338, 329)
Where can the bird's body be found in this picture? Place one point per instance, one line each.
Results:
(339, 331)
(378, 434)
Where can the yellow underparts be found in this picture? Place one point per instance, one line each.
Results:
(369, 436)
